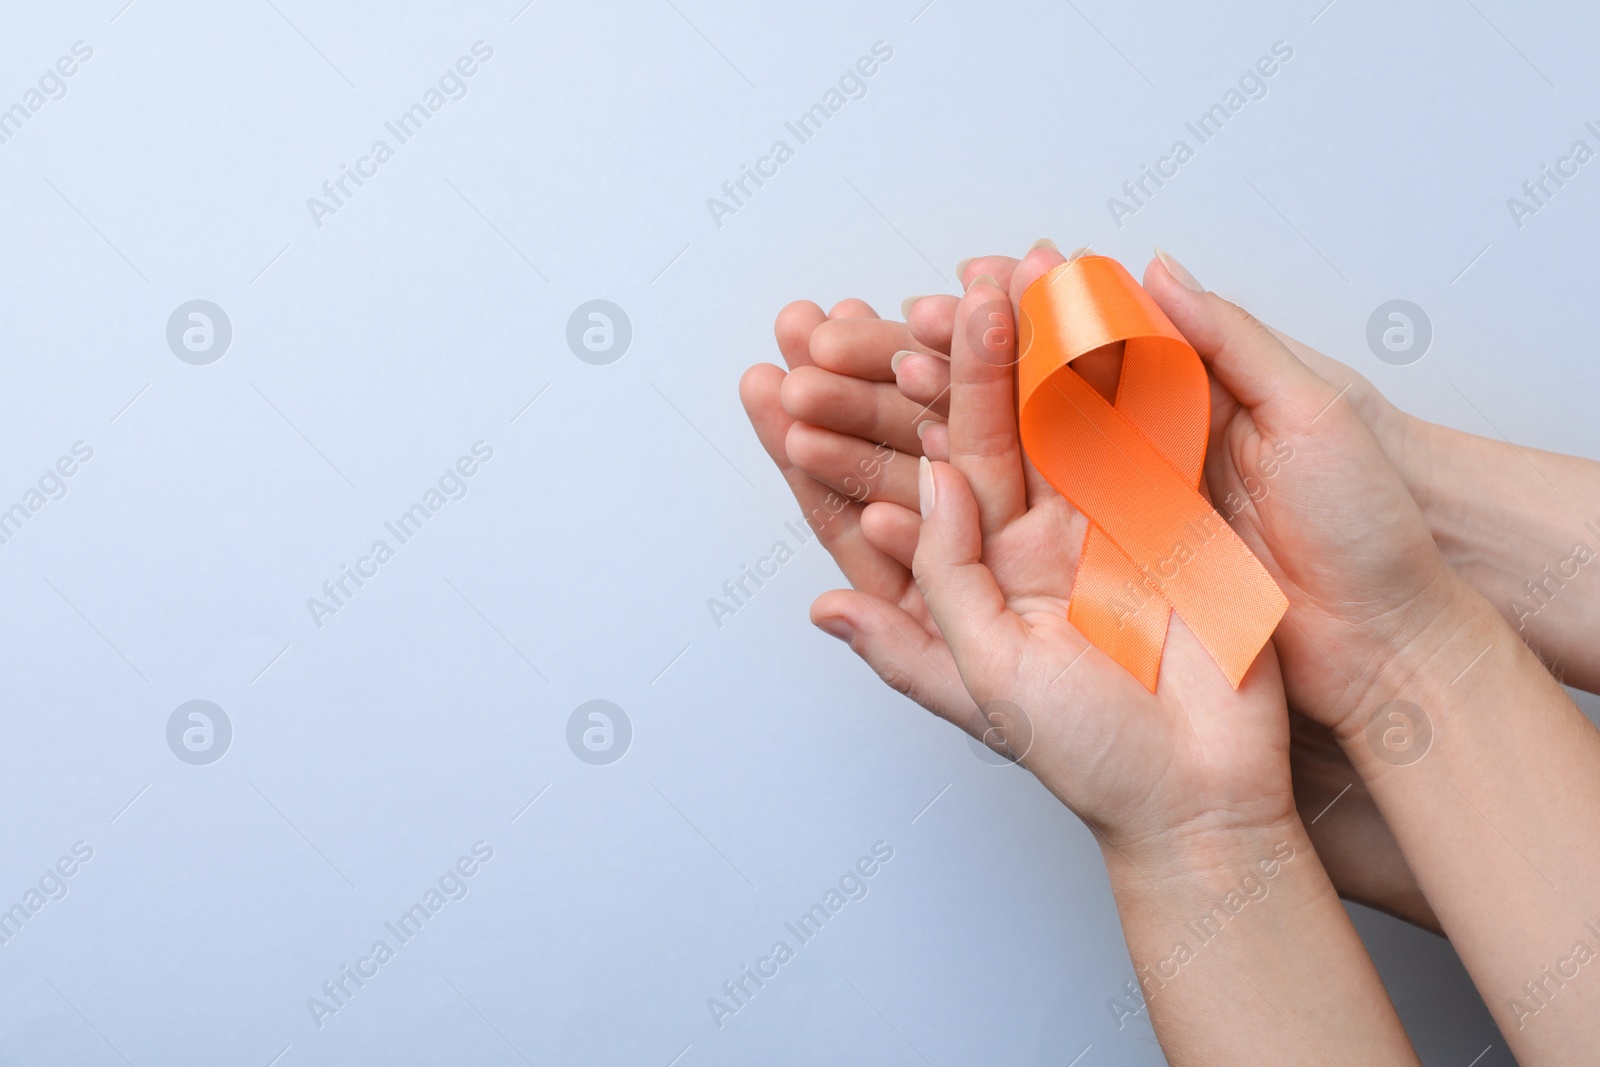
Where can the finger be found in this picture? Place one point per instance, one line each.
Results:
(1251, 363)
(836, 519)
(1360, 393)
(860, 470)
(1041, 259)
(961, 593)
(1100, 368)
(997, 267)
(935, 440)
(902, 652)
(892, 529)
(860, 347)
(852, 308)
(931, 319)
(873, 411)
(924, 379)
(794, 327)
(984, 445)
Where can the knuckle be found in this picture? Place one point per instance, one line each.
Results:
(796, 321)
(897, 678)
(831, 341)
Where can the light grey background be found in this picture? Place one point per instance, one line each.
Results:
(429, 311)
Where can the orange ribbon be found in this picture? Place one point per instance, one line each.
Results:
(1154, 544)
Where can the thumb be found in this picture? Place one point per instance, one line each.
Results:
(962, 596)
(1244, 355)
(902, 652)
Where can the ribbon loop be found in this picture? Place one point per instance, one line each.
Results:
(1133, 468)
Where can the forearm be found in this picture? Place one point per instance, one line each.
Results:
(1348, 832)
(1489, 778)
(1501, 514)
(1246, 955)
(1523, 528)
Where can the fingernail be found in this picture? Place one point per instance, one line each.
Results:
(926, 490)
(922, 427)
(835, 627)
(961, 267)
(1179, 272)
(906, 305)
(983, 279)
(1078, 253)
(1044, 242)
(894, 360)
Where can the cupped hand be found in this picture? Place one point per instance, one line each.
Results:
(1305, 482)
(840, 417)
(995, 557)
(994, 566)
(841, 475)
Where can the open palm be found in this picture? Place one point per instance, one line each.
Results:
(988, 611)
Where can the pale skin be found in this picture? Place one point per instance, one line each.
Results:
(1493, 818)
(1496, 820)
(826, 424)
(1187, 790)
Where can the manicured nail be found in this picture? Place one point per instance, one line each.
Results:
(906, 305)
(837, 628)
(1078, 253)
(926, 490)
(1044, 242)
(983, 279)
(961, 267)
(922, 427)
(894, 360)
(1179, 272)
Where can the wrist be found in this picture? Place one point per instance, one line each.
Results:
(1473, 494)
(1381, 721)
(1212, 853)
